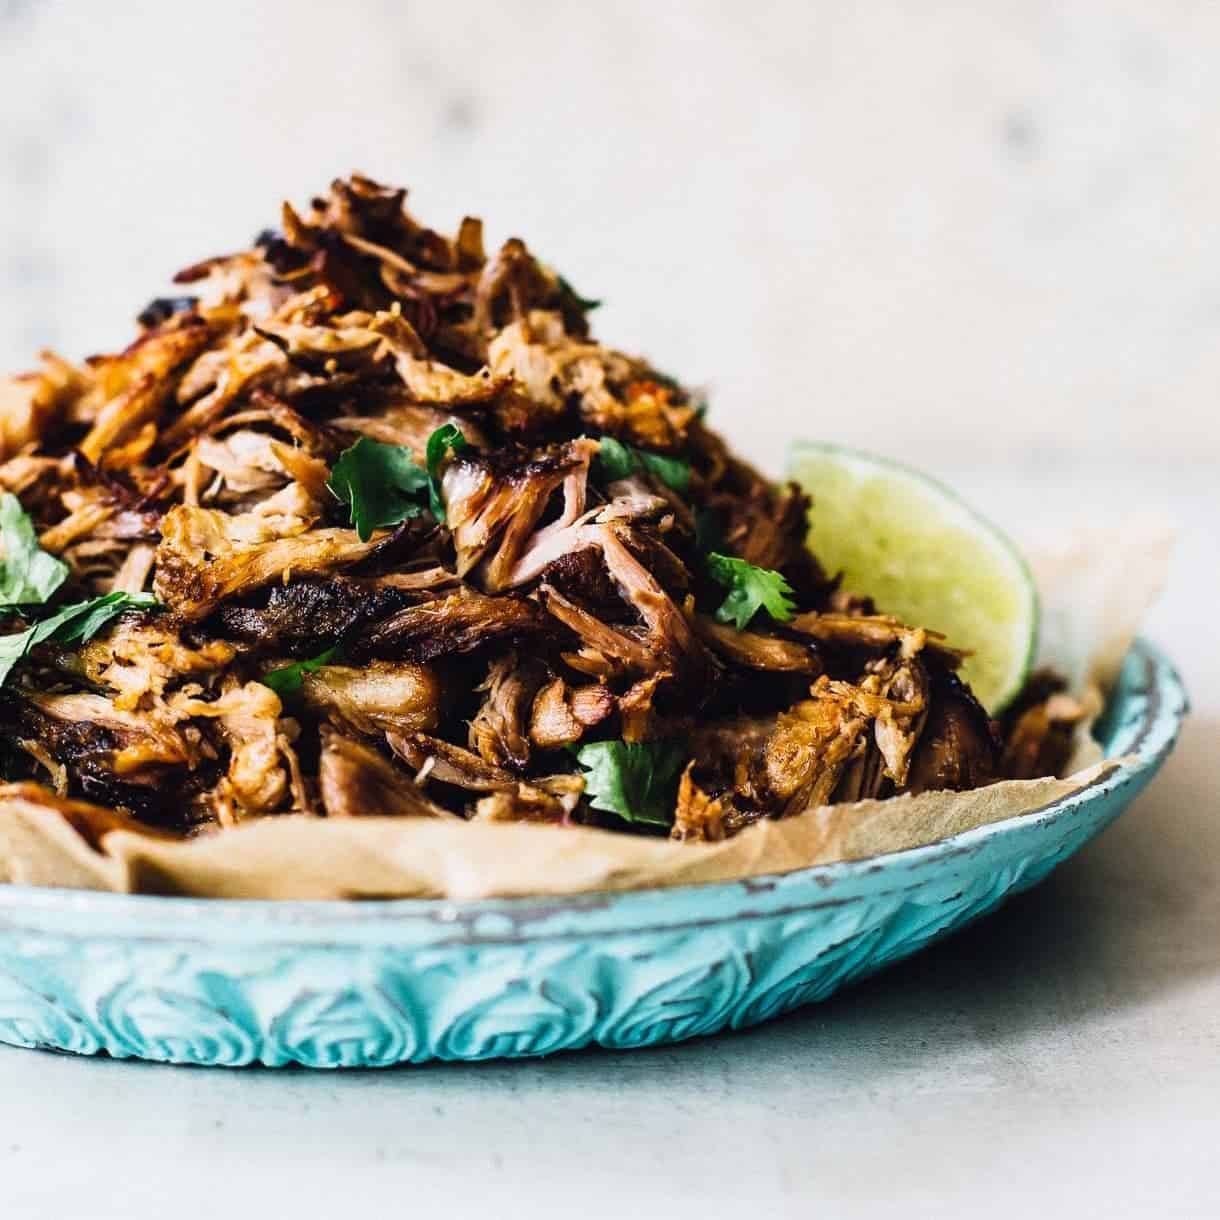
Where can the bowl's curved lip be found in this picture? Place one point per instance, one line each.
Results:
(1147, 741)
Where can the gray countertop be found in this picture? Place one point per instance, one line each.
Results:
(1063, 1055)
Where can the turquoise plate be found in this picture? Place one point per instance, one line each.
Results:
(361, 985)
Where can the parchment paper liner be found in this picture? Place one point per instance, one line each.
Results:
(1095, 591)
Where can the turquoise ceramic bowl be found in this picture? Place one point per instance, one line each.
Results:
(363, 985)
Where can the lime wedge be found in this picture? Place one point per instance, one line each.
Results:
(924, 557)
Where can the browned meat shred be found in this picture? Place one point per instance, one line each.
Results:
(442, 668)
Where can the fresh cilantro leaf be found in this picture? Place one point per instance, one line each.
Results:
(12, 649)
(673, 472)
(619, 461)
(446, 439)
(28, 574)
(616, 460)
(80, 623)
(585, 303)
(73, 624)
(382, 485)
(638, 781)
(750, 589)
(379, 483)
(290, 679)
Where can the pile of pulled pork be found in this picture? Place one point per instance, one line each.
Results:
(420, 546)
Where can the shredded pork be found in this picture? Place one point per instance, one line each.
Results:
(454, 667)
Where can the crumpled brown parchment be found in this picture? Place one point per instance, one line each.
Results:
(1095, 591)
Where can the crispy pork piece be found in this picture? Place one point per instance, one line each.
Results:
(264, 773)
(138, 661)
(375, 698)
(31, 406)
(805, 757)
(138, 386)
(129, 760)
(356, 781)
(513, 279)
(661, 642)
(499, 731)
(459, 623)
(431, 381)
(525, 803)
(304, 616)
(768, 528)
(958, 747)
(561, 714)
(553, 799)
(580, 577)
(91, 731)
(509, 798)
(402, 421)
(875, 632)
(900, 722)
(617, 394)
(207, 556)
(698, 817)
(754, 650)
(605, 650)
(493, 507)
(1039, 728)
(433, 759)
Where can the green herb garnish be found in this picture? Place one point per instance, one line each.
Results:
(73, 624)
(290, 679)
(619, 461)
(586, 304)
(673, 472)
(638, 781)
(616, 459)
(28, 574)
(750, 589)
(446, 439)
(381, 485)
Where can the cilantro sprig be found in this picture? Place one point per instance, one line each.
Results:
(289, 680)
(638, 780)
(619, 461)
(751, 589)
(74, 624)
(28, 574)
(446, 439)
(379, 483)
(383, 485)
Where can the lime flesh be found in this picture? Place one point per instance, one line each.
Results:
(926, 558)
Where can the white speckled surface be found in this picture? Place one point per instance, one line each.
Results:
(979, 235)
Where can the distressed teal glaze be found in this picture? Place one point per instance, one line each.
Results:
(360, 985)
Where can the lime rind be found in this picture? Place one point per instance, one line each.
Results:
(926, 556)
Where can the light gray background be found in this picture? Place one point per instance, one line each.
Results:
(981, 236)
(966, 227)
